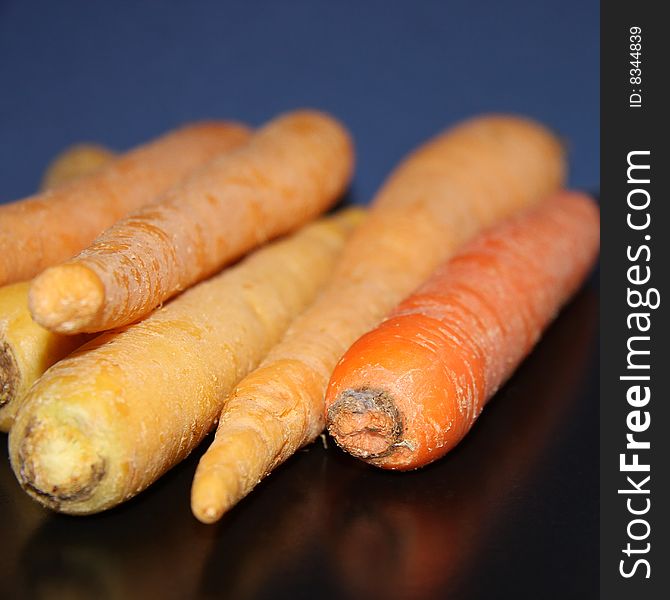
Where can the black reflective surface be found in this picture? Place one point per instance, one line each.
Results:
(511, 513)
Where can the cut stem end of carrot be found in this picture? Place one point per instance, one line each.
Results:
(46, 460)
(66, 298)
(9, 374)
(365, 422)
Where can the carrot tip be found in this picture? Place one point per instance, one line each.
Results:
(208, 515)
(208, 497)
(66, 298)
(365, 422)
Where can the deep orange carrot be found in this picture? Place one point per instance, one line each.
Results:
(292, 169)
(56, 224)
(407, 392)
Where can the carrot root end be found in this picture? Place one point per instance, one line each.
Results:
(9, 374)
(209, 498)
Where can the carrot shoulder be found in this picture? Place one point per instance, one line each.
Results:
(407, 392)
(101, 425)
(291, 170)
(54, 225)
(444, 193)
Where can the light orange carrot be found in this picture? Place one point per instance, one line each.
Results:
(408, 391)
(75, 162)
(292, 169)
(104, 423)
(444, 193)
(54, 225)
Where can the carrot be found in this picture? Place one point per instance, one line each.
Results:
(26, 349)
(407, 392)
(293, 169)
(443, 194)
(101, 425)
(54, 225)
(75, 162)
(423, 536)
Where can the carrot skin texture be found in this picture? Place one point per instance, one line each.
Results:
(101, 425)
(446, 349)
(291, 170)
(445, 192)
(52, 226)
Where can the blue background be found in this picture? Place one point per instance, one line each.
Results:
(394, 72)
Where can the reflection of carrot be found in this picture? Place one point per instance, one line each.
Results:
(101, 425)
(291, 170)
(407, 392)
(122, 554)
(444, 193)
(20, 519)
(54, 225)
(74, 162)
(276, 533)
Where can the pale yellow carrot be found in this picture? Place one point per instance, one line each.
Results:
(26, 349)
(103, 424)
